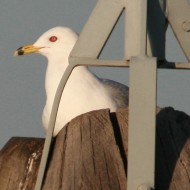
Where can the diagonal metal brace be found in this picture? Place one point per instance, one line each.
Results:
(178, 13)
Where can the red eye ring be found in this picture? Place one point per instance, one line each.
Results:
(53, 39)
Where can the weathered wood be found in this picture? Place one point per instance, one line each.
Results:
(91, 153)
(173, 150)
(19, 162)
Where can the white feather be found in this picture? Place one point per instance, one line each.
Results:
(83, 92)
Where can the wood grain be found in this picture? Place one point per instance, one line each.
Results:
(91, 152)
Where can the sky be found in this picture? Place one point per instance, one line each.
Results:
(22, 93)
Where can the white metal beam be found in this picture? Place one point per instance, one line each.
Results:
(142, 99)
(135, 28)
(142, 116)
(178, 16)
(98, 28)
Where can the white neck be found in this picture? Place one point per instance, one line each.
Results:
(54, 74)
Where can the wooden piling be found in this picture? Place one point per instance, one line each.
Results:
(90, 152)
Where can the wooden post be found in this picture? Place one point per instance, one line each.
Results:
(19, 162)
(91, 153)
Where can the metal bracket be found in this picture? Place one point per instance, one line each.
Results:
(142, 117)
(142, 75)
(178, 13)
(142, 97)
(144, 187)
(98, 28)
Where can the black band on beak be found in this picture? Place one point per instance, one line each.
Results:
(20, 51)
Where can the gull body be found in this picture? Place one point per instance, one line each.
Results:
(84, 91)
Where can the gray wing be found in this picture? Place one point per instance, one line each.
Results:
(118, 91)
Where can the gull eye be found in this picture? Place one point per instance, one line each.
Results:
(53, 39)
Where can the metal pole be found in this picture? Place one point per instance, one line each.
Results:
(135, 30)
(156, 28)
(142, 113)
(51, 126)
(142, 99)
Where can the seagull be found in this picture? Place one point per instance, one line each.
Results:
(84, 91)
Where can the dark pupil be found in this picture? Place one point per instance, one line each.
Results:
(53, 38)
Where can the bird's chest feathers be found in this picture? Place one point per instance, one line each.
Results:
(81, 87)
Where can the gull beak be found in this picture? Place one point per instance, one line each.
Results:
(27, 50)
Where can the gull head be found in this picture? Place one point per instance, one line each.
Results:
(53, 44)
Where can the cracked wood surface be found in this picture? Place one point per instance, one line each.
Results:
(91, 153)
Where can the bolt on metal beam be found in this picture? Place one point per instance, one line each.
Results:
(178, 17)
